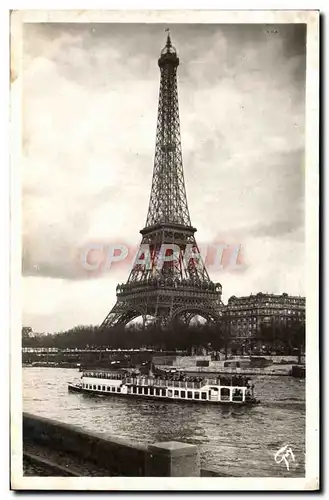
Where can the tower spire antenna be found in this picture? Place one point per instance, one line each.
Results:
(168, 44)
(168, 48)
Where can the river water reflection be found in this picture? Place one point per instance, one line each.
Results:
(235, 441)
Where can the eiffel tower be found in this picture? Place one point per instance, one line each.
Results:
(168, 280)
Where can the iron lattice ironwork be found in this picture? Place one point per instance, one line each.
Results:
(169, 279)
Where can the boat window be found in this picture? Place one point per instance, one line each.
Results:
(145, 390)
(176, 393)
(108, 388)
(94, 387)
(169, 393)
(163, 392)
(99, 387)
(225, 393)
(118, 389)
(189, 394)
(112, 389)
(103, 387)
(203, 395)
(140, 390)
(157, 392)
(237, 395)
(134, 390)
(151, 391)
(196, 395)
(182, 394)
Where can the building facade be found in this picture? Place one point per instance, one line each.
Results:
(245, 315)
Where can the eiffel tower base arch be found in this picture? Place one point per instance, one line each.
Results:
(164, 311)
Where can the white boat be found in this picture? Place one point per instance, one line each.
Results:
(170, 387)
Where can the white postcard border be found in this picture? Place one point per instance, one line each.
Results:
(311, 481)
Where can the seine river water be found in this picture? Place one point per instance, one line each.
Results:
(237, 441)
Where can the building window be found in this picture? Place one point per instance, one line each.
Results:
(189, 394)
(182, 394)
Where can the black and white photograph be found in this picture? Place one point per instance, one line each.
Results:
(165, 223)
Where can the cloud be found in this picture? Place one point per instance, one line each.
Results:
(90, 109)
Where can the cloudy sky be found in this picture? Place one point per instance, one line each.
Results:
(90, 104)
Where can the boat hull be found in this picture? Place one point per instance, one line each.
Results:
(91, 392)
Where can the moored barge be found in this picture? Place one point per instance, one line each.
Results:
(174, 387)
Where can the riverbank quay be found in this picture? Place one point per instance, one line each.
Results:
(273, 371)
(66, 450)
(242, 365)
(297, 371)
(66, 358)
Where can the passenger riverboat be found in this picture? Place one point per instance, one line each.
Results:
(181, 387)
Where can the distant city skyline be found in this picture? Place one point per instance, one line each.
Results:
(90, 107)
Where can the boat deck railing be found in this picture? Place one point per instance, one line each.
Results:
(184, 382)
(104, 375)
(158, 382)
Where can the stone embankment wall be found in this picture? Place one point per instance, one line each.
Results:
(84, 451)
(273, 370)
(277, 365)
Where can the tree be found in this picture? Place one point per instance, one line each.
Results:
(296, 337)
(26, 332)
(283, 337)
(176, 336)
